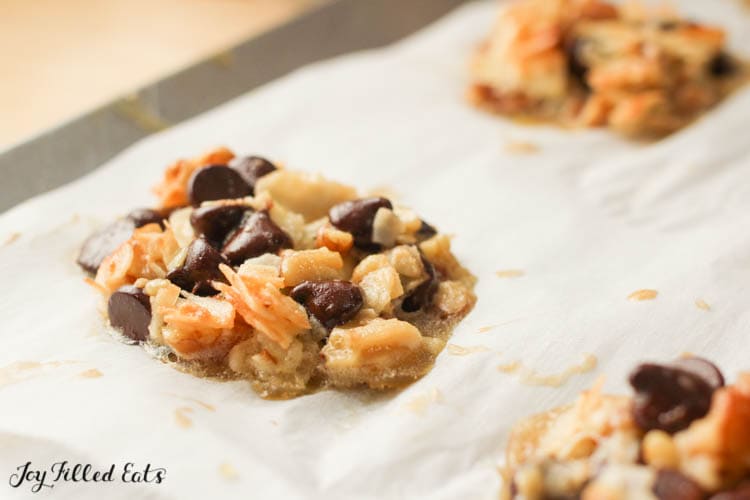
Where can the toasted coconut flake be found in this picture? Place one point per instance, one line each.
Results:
(256, 297)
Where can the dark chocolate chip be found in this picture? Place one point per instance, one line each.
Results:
(215, 223)
(422, 295)
(668, 398)
(672, 485)
(741, 492)
(143, 216)
(331, 302)
(252, 168)
(425, 231)
(577, 65)
(357, 216)
(703, 368)
(257, 234)
(722, 65)
(103, 242)
(201, 266)
(216, 182)
(129, 311)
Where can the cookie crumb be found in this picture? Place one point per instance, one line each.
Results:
(181, 418)
(227, 471)
(486, 329)
(419, 404)
(530, 376)
(510, 273)
(702, 304)
(458, 350)
(645, 294)
(511, 367)
(92, 373)
(521, 147)
(12, 237)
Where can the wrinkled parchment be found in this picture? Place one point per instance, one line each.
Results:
(575, 222)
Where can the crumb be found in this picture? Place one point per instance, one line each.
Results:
(181, 418)
(12, 237)
(702, 304)
(645, 294)
(458, 350)
(92, 373)
(521, 147)
(486, 329)
(510, 273)
(227, 471)
(530, 376)
(419, 404)
(511, 367)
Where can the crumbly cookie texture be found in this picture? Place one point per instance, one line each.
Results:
(592, 63)
(287, 279)
(684, 435)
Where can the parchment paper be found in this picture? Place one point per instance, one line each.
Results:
(589, 218)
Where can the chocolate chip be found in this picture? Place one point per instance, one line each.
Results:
(672, 485)
(103, 242)
(425, 231)
(331, 302)
(216, 222)
(668, 398)
(741, 492)
(722, 65)
(257, 234)
(577, 65)
(143, 216)
(357, 216)
(129, 311)
(201, 266)
(422, 295)
(703, 368)
(216, 182)
(252, 168)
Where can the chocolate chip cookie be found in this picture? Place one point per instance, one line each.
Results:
(683, 435)
(286, 279)
(592, 63)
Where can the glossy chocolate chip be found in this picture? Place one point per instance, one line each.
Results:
(129, 311)
(143, 216)
(103, 242)
(425, 231)
(722, 65)
(257, 234)
(215, 223)
(201, 266)
(668, 398)
(422, 295)
(703, 368)
(331, 302)
(216, 182)
(357, 216)
(741, 492)
(577, 66)
(252, 168)
(672, 485)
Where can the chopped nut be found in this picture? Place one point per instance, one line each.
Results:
(380, 287)
(369, 264)
(407, 261)
(379, 342)
(452, 297)
(291, 223)
(659, 450)
(333, 239)
(310, 265)
(308, 194)
(438, 251)
(385, 227)
(179, 222)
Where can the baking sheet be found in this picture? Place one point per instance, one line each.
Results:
(588, 218)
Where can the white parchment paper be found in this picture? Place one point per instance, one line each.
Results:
(589, 218)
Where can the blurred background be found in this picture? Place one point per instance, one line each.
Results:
(60, 58)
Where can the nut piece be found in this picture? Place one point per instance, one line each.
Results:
(379, 343)
(386, 227)
(333, 239)
(379, 281)
(659, 450)
(310, 265)
(308, 194)
(438, 251)
(452, 297)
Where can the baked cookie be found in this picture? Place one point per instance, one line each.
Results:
(592, 63)
(684, 435)
(292, 281)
